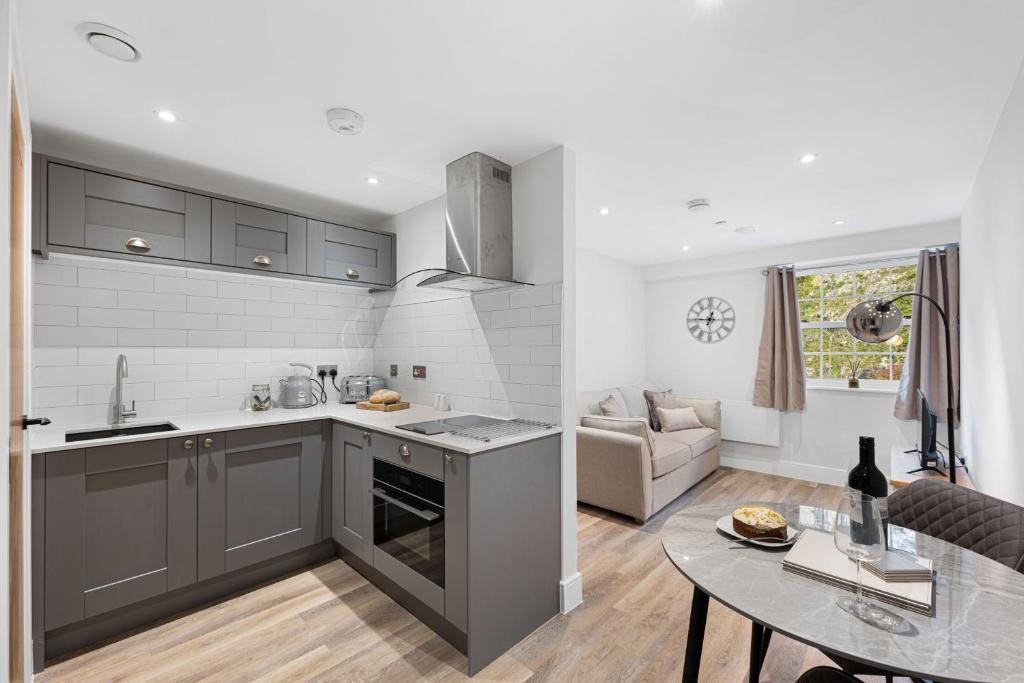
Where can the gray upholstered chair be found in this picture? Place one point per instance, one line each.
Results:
(826, 674)
(967, 518)
(957, 515)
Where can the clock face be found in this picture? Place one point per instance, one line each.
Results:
(710, 319)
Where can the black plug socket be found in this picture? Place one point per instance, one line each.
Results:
(333, 373)
(322, 374)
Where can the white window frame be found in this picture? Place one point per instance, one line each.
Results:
(828, 383)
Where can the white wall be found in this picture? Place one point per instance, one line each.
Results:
(819, 444)
(991, 328)
(419, 236)
(610, 322)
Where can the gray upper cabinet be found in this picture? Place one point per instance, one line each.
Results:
(260, 495)
(120, 527)
(352, 477)
(86, 209)
(342, 253)
(250, 237)
(102, 212)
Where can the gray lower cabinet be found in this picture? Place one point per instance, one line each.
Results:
(456, 540)
(251, 237)
(351, 479)
(107, 213)
(342, 253)
(120, 527)
(260, 495)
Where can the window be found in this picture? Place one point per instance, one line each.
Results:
(826, 296)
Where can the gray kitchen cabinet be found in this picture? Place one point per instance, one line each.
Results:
(351, 480)
(412, 455)
(120, 526)
(103, 212)
(251, 237)
(260, 495)
(456, 540)
(342, 253)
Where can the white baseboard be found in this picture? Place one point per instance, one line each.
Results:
(787, 468)
(571, 592)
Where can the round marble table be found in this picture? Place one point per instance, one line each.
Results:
(976, 635)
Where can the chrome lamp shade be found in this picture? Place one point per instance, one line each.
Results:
(874, 321)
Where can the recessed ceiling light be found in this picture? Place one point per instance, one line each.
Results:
(808, 158)
(721, 222)
(745, 229)
(686, 247)
(839, 222)
(603, 211)
(372, 180)
(110, 41)
(699, 204)
(166, 115)
(345, 121)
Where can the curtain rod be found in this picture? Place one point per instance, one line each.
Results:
(939, 248)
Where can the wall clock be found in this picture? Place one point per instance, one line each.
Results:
(711, 319)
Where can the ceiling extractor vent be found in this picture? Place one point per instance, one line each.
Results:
(110, 41)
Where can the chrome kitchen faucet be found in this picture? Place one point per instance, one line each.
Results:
(121, 415)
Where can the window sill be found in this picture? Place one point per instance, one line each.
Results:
(873, 389)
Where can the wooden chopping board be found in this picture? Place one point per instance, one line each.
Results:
(384, 407)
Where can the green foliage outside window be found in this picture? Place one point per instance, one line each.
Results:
(830, 352)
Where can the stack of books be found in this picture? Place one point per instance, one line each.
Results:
(815, 556)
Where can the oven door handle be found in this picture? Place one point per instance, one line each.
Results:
(428, 515)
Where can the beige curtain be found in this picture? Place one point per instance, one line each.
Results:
(780, 360)
(938, 276)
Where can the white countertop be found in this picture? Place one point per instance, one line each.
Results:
(51, 438)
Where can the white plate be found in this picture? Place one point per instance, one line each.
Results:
(725, 525)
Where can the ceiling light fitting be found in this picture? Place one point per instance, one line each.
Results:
(345, 121)
(112, 42)
(839, 222)
(721, 222)
(696, 205)
(166, 115)
(808, 158)
(603, 211)
(373, 180)
(686, 247)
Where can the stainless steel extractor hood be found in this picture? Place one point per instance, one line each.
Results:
(479, 231)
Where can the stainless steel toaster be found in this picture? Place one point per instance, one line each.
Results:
(355, 388)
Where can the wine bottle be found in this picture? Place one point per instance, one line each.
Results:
(868, 479)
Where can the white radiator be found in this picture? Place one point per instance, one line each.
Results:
(745, 422)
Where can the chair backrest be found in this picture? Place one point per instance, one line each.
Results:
(826, 674)
(972, 520)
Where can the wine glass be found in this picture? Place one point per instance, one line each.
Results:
(858, 535)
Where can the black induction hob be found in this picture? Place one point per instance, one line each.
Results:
(449, 424)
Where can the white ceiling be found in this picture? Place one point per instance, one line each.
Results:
(661, 101)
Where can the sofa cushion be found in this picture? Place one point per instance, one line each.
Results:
(675, 419)
(633, 397)
(700, 440)
(612, 407)
(668, 455)
(655, 400)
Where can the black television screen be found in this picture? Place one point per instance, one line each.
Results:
(929, 425)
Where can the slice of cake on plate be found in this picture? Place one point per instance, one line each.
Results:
(758, 521)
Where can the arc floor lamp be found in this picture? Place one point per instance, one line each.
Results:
(878, 321)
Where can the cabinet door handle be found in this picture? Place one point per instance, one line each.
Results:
(189, 443)
(137, 244)
(262, 260)
(207, 443)
(403, 452)
(352, 274)
(366, 435)
(447, 458)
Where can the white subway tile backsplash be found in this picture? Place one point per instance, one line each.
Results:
(151, 302)
(114, 317)
(156, 337)
(197, 340)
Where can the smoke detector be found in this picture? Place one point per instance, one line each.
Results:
(345, 121)
(696, 205)
(110, 41)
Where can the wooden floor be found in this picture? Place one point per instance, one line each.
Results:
(329, 624)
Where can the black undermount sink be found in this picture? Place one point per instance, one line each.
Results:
(119, 430)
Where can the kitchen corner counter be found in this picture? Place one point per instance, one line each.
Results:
(51, 438)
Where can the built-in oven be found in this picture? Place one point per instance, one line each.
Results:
(408, 519)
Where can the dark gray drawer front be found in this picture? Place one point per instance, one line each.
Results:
(123, 456)
(409, 454)
(264, 437)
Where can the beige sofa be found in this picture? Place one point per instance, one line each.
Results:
(625, 466)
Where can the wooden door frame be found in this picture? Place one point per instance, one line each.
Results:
(18, 163)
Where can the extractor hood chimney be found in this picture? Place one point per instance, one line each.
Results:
(479, 226)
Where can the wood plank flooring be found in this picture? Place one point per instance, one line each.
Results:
(328, 624)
